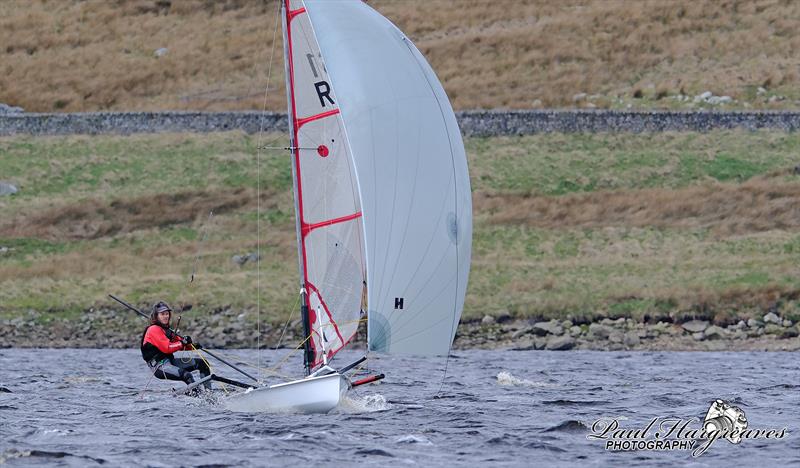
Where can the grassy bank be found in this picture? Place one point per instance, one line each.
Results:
(648, 225)
(88, 56)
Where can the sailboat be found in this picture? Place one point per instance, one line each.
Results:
(382, 198)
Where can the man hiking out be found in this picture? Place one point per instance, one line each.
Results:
(159, 343)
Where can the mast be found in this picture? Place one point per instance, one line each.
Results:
(308, 355)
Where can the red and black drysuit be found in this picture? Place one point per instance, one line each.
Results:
(158, 344)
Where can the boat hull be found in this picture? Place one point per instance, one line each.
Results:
(310, 395)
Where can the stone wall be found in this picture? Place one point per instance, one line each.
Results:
(473, 123)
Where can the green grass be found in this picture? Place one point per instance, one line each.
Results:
(557, 164)
(71, 167)
(531, 272)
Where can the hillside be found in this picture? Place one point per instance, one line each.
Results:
(69, 56)
(649, 225)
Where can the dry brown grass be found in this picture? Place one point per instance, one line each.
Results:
(758, 205)
(96, 218)
(93, 55)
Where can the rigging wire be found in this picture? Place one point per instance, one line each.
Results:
(204, 229)
(259, 145)
(286, 325)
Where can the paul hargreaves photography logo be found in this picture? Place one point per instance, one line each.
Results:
(722, 421)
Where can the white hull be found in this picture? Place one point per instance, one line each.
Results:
(310, 395)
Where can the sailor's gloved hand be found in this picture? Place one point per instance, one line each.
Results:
(196, 345)
(186, 340)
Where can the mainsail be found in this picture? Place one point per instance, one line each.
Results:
(330, 245)
(382, 188)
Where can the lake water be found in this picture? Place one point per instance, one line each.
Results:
(501, 408)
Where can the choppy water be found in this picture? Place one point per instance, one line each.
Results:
(504, 408)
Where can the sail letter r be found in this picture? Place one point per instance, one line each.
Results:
(323, 91)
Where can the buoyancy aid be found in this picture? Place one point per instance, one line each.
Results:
(158, 343)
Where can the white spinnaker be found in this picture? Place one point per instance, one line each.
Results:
(331, 249)
(412, 177)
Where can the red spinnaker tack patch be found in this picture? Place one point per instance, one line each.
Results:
(323, 151)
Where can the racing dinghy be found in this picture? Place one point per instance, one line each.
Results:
(382, 198)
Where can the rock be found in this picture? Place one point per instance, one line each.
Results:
(160, 52)
(521, 332)
(695, 326)
(502, 316)
(698, 336)
(753, 323)
(566, 324)
(3, 250)
(717, 100)
(487, 320)
(631, 339)
(787, 323)
(560, 343)
(526, 344)
(790, 332)
(597, 330)
(703, 96)
(615, 337)
(7, 189)
(240, 259)
(539, 342)
(6, 109)
(548, 328)
(578, 97)
(653, 332)
(739, 335)
(713, 332)
(253, 257)
(537, 103)
(797, 169)
(575, 331)
(760, 90)
(772, 318)
(772, 328)
(661, 327)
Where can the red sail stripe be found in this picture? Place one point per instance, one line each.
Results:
(307, 228)
(300, 122)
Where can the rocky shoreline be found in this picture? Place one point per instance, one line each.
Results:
(770, 333)
(227, 328)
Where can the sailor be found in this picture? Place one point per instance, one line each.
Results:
(159, 343)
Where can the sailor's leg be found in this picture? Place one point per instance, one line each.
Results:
(169, 371)
(202, 366)
(187, 365)
(198, 365)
